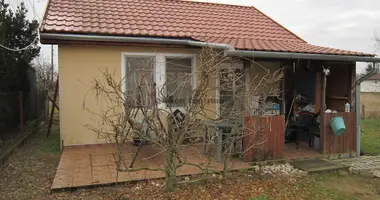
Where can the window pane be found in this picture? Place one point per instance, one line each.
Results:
(139, 81)
(231, 90)
(178, 81)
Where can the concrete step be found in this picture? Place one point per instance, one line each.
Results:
(319, 166)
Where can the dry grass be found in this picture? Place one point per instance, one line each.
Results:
(31, 169)
(346, 187)
(371, 101)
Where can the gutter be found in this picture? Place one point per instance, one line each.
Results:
(149, 40)
(306, 56)
(231, 51)
(374, 70)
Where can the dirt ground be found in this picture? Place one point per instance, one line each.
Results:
(8, 139)
(241, 186)
(30, 172)
(352, 187)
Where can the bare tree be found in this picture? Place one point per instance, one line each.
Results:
(44, 75)
(150, 113)
(46, 80)
(249, 98)
(376, 38)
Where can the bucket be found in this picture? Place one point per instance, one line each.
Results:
(337, 125)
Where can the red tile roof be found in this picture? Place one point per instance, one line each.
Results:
(240, 26)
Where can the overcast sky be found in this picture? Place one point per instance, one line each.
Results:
(344, 24)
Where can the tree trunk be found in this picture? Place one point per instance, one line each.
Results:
(170, 170)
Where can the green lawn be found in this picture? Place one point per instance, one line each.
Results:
(370, 136)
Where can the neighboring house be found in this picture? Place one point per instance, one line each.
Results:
(371, 85)
(92, 35)
(370, 97)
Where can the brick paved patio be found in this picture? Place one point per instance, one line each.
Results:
(363, 163)
(95, 165)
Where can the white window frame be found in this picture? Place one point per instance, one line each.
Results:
(159, 68)
(124, 57)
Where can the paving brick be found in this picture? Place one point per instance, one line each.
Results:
(365, 173)
(344, 155)
(367, 166)
(354, 171)
(342, 173)
(333, 156)
(376, 173)
(102, 170)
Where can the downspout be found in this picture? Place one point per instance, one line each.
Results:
(374, 70)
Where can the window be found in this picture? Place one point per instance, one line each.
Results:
(178, 81)
(139, 80)
(166, 78)
(231, 88)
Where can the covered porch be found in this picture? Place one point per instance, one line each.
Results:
(313, 93)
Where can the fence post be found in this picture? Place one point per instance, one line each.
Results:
(363, 111)
(47, 102)
(21, 112)
(53, 107)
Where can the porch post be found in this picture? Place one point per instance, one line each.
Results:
(322, 111)
(357, 110)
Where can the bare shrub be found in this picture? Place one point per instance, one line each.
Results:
(172, 116)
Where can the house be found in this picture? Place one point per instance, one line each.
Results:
(95, 34)
(370, 97)
(371, 85)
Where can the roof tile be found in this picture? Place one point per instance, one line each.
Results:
(240, 26)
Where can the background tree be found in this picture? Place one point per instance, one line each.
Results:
(18, 47)
(376, 37)
(368, 68)
(44, 76)
(16, 32)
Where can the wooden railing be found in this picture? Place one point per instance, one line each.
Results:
(345, 143)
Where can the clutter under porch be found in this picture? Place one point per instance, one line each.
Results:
(314, 93)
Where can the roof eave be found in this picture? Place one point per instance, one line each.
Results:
(230, 51)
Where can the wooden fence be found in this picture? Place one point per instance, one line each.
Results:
(263, 138)
(332, 143)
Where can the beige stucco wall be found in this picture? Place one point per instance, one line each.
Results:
(371, 103)
(258, 85)
(78, 66)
